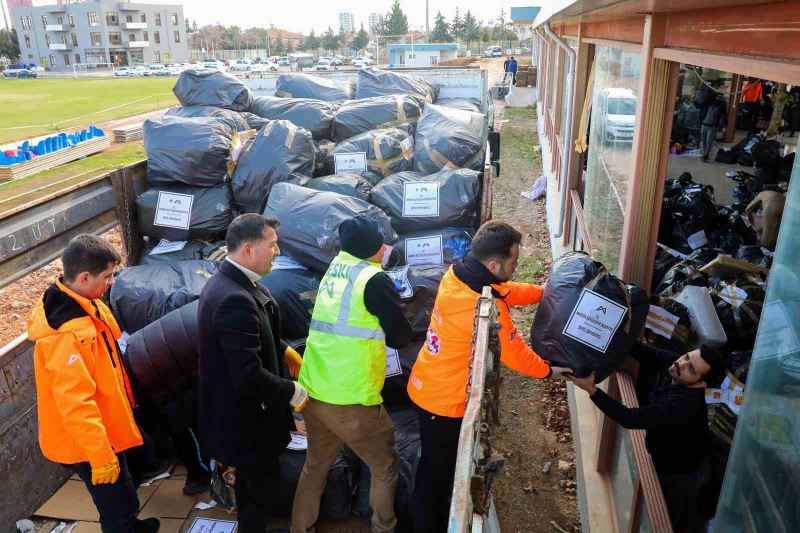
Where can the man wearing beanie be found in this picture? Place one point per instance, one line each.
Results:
(357, 314)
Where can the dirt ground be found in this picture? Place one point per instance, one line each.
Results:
(536, 489)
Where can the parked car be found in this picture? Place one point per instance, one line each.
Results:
(367, 61)
(334, 61)
(263, 66)
(241, 64)
(123, 71)
(283, 61)
(493, 51)
(324, 64)
(18, 73)
(139, 70)
(175, 69)
(158, 70)
(617, 114)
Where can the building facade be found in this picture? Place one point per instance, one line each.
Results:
(421, 54)
(374, 20)
(347, 23)
(60, 36)
(12, 5)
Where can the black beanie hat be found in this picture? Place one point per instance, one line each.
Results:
(359, 237)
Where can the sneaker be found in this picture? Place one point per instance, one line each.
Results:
(194, 486)
(158, 468)
(148, 525)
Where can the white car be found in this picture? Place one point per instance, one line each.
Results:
(123, 71)
(175, 69)
(283, 61)
(241, 64)
(365, 61)
(493, 51)
(263, 66)
(333, 61)
(140, 70)
(158, 70)
(324, 64)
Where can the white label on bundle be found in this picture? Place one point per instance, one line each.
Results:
(697, 240)
(350, 162)
(733, 295)
(407, 143)
(211, 525)
(424, 251)
(594, 320)
(400, 278)
(393, 367)
(173, 210)
(165, 247)
(661, 321)
(673, 253)
(421, 199)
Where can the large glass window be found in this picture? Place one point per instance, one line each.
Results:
(92, 19)
(115, 38)
(609, 164)
(112, 18)
(762, 481)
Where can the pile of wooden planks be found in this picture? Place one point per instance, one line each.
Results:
(54, 159)
(126, 134)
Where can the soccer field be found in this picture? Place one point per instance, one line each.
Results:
(35, 107)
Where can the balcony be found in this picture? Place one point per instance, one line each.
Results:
(58, 8)
(60, 46)
(137, 44)
(134, 25)
(128, 6)
(57, 27)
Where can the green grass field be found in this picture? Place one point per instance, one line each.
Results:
(49, 105)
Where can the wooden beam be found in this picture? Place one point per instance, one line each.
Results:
(635, 48)
(626, 29)
(766, 68)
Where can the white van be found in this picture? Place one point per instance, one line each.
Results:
(617, 114)
(493, 51)
(241, 64)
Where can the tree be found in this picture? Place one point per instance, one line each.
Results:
(470, 29)
(289, 46)
(330, 40)
(312, 42)
(486, 34)
(194, 26)
(441, 29)
(456, 26)
(9, 45)
(361, 40)
(278, 46)
(395, 23)
(188, 26)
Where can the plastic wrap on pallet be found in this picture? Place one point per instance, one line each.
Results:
(417, 202)
(386, 151)
(200, 152)
(279, 152)
(588, 320)
(313, 115)
(442, 246)
(359, 116)
(317, 87)
(310, 222)
(375, 82)
(141, 295)
(449, 138)
(182, 213)
(346, 184)
(239, 121)
(214, 88)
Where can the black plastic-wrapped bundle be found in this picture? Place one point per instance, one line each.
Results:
(375, 82)
(680, 275)
(254, 122)
(663, 262)
(754, 254)
(588, 320)
(691, 219)
(395, 392)
(161, 359)
(141, 295)
(193, 151)
(443, 246)
(359, 116)
(295, 290)
(183, 213)
(738, 304)
(279, 152)
(738, 365)
(313, 115)
(388, 151)
(464, 104)
(214, 88)
(199, 111)
(335, 503)
(416, 202)
(346, 184)
(449, 138)
(317, 87)
(668, 325)
(191, 250)
(418, 286)
(310, 222)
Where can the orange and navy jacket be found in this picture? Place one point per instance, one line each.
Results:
(84, 397)
(439, 379)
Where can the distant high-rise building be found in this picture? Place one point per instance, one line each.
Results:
(374, 20)
(347, 23)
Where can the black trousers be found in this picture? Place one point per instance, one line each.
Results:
(117, 502)
(433, 484)
(256, 491)
(681, 494)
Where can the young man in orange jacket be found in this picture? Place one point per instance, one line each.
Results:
(84, 396)
(438, 384)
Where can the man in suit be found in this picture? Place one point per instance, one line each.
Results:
(244, 393)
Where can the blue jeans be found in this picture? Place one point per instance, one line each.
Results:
(117, 502)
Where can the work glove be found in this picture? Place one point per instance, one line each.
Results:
(299, 398)
(108, 473)
(293, 360)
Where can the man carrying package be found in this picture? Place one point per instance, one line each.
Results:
(357, 314)
(438, 384)
(83, 394)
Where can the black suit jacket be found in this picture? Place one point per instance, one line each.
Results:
(244, 390)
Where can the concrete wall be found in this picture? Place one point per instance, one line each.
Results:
(167, 50)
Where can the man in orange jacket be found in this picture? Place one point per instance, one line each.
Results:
(84, 396)
(438, 384)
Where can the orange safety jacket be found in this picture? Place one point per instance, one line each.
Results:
(83, 394)
(752, 92)
(439, 379)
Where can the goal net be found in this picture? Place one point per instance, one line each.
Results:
(89, 70)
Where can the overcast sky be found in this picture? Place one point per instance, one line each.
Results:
(303, 15)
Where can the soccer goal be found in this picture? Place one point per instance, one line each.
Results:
(91, 70)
